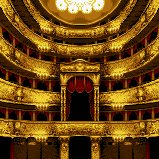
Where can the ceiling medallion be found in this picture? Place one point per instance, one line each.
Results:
(74, 6)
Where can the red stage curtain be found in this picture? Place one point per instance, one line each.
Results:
(156, 110)
(9, 110)
(147, 150)
(31, 81)
(53, 83)
(47, 114)
(30, 51)
(59, 81)
(112, 114)
(67, 59)
(106, 114)
(53, 114)
(24, 47)
(150, 73)
(142, 112)
(60, 113)
(57, 59)
(88, 85)
(22, 79)
(52, 58)
(3, 30)
(135, 47)
(117, 56)
(16, 42)
(90, 97)
(106, 83)
(36, 113)
(100, 113)
(128, 81)
(92, 59)
(102, 59)
(17, 112)
(149, 110)
(143, 76)
(16, 76)
(156, 71)
(108, 58)
(31, 113)
(11, 37)
(123, 113)
(80, 84)
(123, 81)
(128, 113)
(143, 42)
(3, 71)
(22, 113)
(36, 81)
(47, 83)
(71, 85)
(137, 79)
(12, 150)
(3, 110)
(42, 56)
(148, 37)
(101, 82)
(129, 51)
(122, 55)
(156, 30)
(112, 83)
(37, 55)
(9, 73)
(137, 113)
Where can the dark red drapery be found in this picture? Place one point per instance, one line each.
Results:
(108, 58)
(24, 47)
(123, 113)
(88, 85)
(143, 76)
(112, 114)
(71, 85)
(11, 37)
(3, 110)
(143, 42)
(128, 81)
(148, 37)
(156, 30)
(42, 56)
(3, 71)
(53, 114)
(122, 55)
(156, 110)
(52, 58)
(9, 73)
(57, 59)
(16, 76)
(53, 83)
(16, 42)
(31, 113)
(128, 113)
(30, 51)
(22, 79)
(3, 30)
(22, 113)
(47, 83)
(31, 81)
(47, 114)
(142, 112)
(112, 83)
(150, 73)
(92, 59)
(117, 56)
(102, 59)
(79, 84)
(12, 150)
(36, 113)
(9, 111)
(17, 112)
(137, 113)
(67, 59)
(106, 83)
(137, 79)
(147, 150)
(123, 81)
(129, 51)
(37, 55)
(36, 81)
(156, 71)
(149, 110)
(106, 114)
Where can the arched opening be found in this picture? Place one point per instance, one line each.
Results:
(79, 147)
(79, 99)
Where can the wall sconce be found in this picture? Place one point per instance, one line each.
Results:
(118, 108)
(117, 77)
(42, 108)
(118, 139)
(41, 139)
(116, 49)
(113, 30)
(46, 30)
(42, 77)
(43, 49)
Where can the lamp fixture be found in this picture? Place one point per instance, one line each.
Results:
(43, 49)
(42, 108)
(118, 139)
(118, 108)
(42, 77)
(113, 30)
(116, 49)
(41, 139)
(74, 6)
(117, 77)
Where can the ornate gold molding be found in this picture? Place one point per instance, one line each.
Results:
(135, 128)
(66, 32)
(16, 94)
(146, 93)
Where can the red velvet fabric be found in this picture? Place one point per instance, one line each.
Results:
(150, 73)
(24, 47)
(16, 76)
(79, 84)
(128, 113)
(135, 47)
(3, 71)
(143, 76)
(156, 110)
(137, 113)
(112, 83)
(9, 111)
(106, 114)
(3, 110)
(102, 59)
(57, 59)
(9, 73)
(117, 56)
(100, 113)
(129, 51)
(36, 81)
(31, 81)
(53, 83)
(148, 38)
(92, 59)
(31, 113)
(47, 83)
(42, 56)
(122, 55)
(128, 81)
(156, 30)
(53, 114)
(147, 150)
(123, 113)
(156, 71)
(143, 42)
(67, 59)
(112, 114)
(106, 83)
(101, 82)
(60, 113)
(137, 79)
(11, 37)
(37, 55)
(88, 85)
(12, 150)
(47, 114)
(123, 81)
(149, 110)
(52, 58)
(22, 79)
(17, 112)
(142, 112)
(36, 113)
(30, 51)
(71, 85)
(22, 113)
(108, 58)
(16, 42)
(3, 30)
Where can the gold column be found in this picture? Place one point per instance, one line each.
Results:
(96, 104)
(153, 76)
(146, 41)
(19, 114)
(64, 147)
(49, 116)
(126, 117)
(140, 80)
(119, 56)
(110, 118)
(28, 51)
(49, 85)
(131, 51)
(139, 114)
(63, 103)
(13, 41)
(105, 59)
(153, 114)
(55, 59)
(34, 83)
(89, 59)
(109, 85)
(95, 147)
(126, 84)
(33, 115)
(6, 115)
(20, 80)
(0, 29)
(39, 56)
(6, 75)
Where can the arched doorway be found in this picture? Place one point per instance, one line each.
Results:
(79, 104)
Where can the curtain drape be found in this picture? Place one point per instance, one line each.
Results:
(16, 42)
(3, 110)
(106, 114)
(150, 73)
(123, 113)
(3, 30)
(9, 73)
(137, 113)
(30, 51)
(31, 113)
(106, 83)
(51, 58)
(53, 114)
(143, 76)
(11, 37)
(79, 84)
(137, 79)
(37, 55)
(147, 150)
(112, 83)
(156, 30)
(88, 85)
(17, 112)
(128, 113)
(3, 71)
(53, 83)
(71, 85)
(128, 81)
(16, 76)
(67, 59)
(143, 42)
(92, 59)
(148, 37)
(142, 112)
(156, 110)
(122, 55)
(9, 111)
(22, 113)
(24, 47)
(60, 113)
(36, 113)
(57, 59)
(12, 150)
(112, 114)
(129, 51)
(149, 110)
(117, 56)
(47, 83)
(123, 81)
(108, 58)
(47, 114)
(22, 79)
(102, 59)
(156, 71)
(31, 81)
(36, 81)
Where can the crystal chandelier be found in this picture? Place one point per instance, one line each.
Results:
(79, 5)
(118, 108)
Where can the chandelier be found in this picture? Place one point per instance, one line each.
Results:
(117, 77)
(79, 5)
(42, 108)
(42, 77)
(118, 108)
(118, 139)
